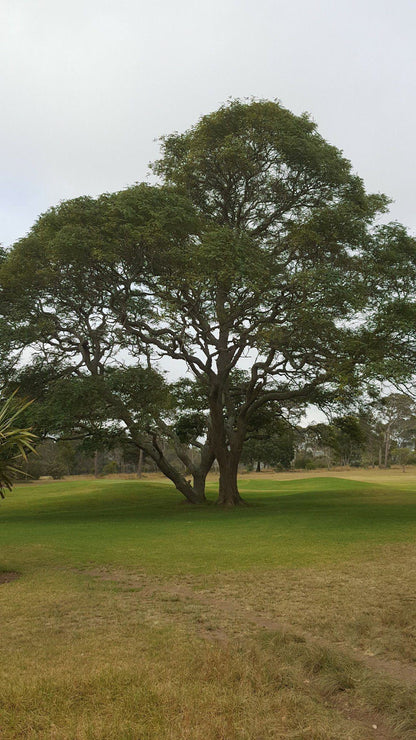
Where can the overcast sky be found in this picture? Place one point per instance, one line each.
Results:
(88, 85)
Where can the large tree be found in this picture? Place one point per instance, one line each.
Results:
(257, 251)
(279, 276)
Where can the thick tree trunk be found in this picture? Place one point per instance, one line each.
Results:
(227, 446)
(258, 469)
(180, 482)
(228, 493)
(153, 449)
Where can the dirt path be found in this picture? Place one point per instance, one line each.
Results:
(395, 669)
(219, 614)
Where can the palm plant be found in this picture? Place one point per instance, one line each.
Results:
(15, 442)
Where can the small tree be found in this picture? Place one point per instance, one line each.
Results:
(403, 455)
(15, 442)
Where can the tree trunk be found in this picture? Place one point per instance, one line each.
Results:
(140, 464)
(199, 485)
(153, 449)
(200, 472)
(228, 493)
(96, 464)
(180, 482)
(258, 469)
(227, 447)
(387, 446)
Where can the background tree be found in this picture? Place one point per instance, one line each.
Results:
(269, 441)
(403, 456)
(340, 441)
(396, 421)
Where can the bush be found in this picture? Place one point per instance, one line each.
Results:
(110, 468)
(301, 460)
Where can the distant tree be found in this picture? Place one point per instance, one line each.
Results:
(396, 420)
(349, 438)
(340, 441)
(316, 441)
(52, 459)
(269, 440)
(403, 455)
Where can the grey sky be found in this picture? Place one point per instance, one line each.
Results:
(87, 85)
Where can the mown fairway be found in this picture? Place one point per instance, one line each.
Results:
(139, 616)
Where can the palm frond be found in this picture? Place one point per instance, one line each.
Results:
(15, 442)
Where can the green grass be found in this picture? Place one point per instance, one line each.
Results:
(140, 617)
(147, 525)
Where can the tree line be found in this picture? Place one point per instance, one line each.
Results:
(379, 435)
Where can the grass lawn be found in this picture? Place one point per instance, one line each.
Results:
(139, 616)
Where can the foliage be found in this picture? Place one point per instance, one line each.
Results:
(65, 305)
(53, 458)
(395, 415)
(404, 456)
(342, 439)
(110, 468)
(270, 440)
(15, 442)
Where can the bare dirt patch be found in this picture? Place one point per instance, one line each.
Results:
(8, 576)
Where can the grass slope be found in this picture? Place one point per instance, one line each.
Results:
(147, 525)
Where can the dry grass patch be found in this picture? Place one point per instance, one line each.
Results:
(83, 664)
(368, 606)
(313, 640)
